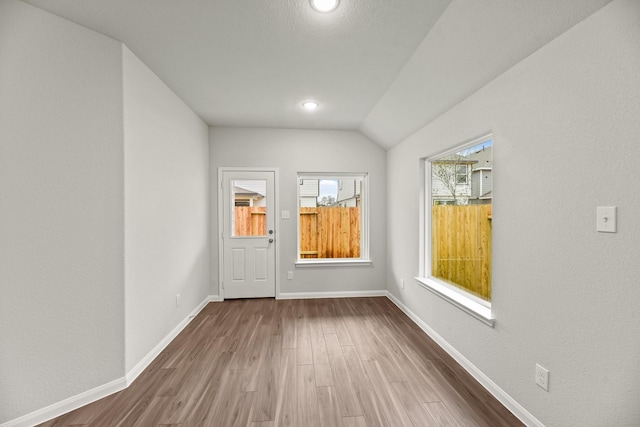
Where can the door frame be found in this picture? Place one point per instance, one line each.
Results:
(276, 222)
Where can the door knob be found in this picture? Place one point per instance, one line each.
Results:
(270, 231)
(270, 240)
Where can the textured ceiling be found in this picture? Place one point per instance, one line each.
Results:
(385, 67)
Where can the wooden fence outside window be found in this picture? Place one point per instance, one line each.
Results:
(325, 232)
(329, 232)
(250, 221)
(461, 247)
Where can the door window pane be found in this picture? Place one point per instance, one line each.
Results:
(249, 206)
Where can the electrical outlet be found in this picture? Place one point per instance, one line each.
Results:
(542, 377)
(177, 300)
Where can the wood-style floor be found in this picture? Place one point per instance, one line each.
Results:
(330, 362)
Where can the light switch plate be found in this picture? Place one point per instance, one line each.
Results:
(606, 222)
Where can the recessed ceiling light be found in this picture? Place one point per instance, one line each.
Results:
(310, 105)
(324, 6)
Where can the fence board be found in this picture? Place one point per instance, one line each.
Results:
(250, 221)
(461, 246)
(330, 232)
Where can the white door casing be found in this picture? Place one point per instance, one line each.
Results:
(248, 249)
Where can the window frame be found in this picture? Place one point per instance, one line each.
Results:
(364, 258)
(466, 301)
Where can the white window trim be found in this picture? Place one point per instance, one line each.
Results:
(364, 222)
(332, 262)
(454, 296)
(477, 308)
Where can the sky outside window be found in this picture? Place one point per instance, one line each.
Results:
(328, 188)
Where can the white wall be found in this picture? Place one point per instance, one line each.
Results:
(294, 151)
(61, 210)
(565, 122)
(166, 209)
(104, 199)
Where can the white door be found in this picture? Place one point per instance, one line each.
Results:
(248, 237)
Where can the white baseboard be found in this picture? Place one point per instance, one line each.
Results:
(146, 361)
(215, 298)
(318, 295)
(521, 413)
(89, 396)
(67, 405)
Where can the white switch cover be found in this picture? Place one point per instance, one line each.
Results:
(285, 215)
(606, 219)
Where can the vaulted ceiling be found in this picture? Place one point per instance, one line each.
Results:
(383, 67)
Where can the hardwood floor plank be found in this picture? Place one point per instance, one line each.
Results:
(417, 413)
(384, 356)
(391, 405)
(266, 363)
(152, 414)
(253, 364)
(327, 316)
(324, 375)
(135, 412)
(359, 327)
(266, 393)
(463, 411)
(371, 404)
(333, 345)
(228, 320)
(196, 385)
(249, 331)
(287, 401)
(307, 410)
(428, 388)
(232, 407)
(189, 380)
(220, 407)
(344, 338)
(440, 414)
(304, 351)
(329, 407)
(318, 346)
(289, 333)
(197, 405)
(354, 422)
(176, 410)
(239, 413)
(471, 398)
(347, 398)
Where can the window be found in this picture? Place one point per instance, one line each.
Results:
(457, 215)
(462, 174)
(332, 219)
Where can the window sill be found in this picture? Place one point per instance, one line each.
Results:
(464, 303)
(334, 263)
